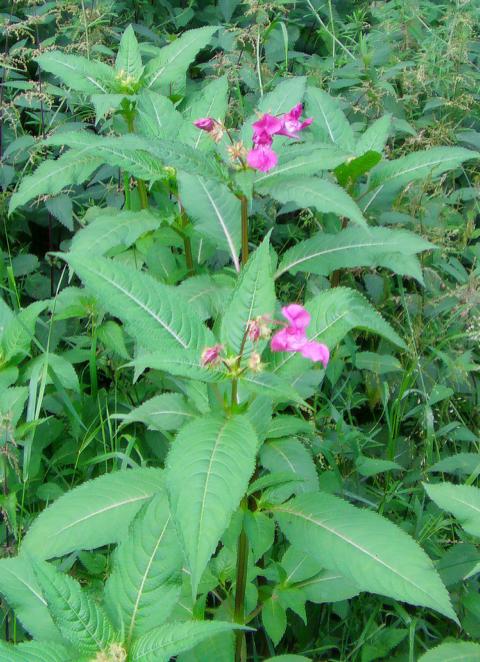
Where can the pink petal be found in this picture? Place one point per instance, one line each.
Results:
(296, 111)
(268, 124)
(262, 138)
(298, 317)
(262, 158)
(279, 342)
(205, 123)
(316, 352)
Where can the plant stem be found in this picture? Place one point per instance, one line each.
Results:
(142, 192)
(187, 244)
(126, 191)
(244, 209)
(241, 584)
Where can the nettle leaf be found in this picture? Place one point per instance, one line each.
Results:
(78, 72)
(154, 314)
(463, 501)
(353, 247)
(110, 230)
(323, 195)
(211, 101)
(156, 116)
(79, 618)
(166, 72)
(455, 651)
(52, 176)
(300, 161)
(208, 469)
(129, 59)
(145, 582)
(254, 295)
(214, 211)
(168, 411)
(364, 547)
(94, 514)
(292, 457)
(375, 137)
(170, 639)
(20, 588)
(334, 313)
(329, 122)
(34, 651)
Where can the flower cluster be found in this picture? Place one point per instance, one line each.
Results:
(261, 156)
(293, 337)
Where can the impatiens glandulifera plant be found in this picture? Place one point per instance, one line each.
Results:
(234, 527)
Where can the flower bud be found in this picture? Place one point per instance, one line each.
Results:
(255, 362)
(211, 355)
(205, 124)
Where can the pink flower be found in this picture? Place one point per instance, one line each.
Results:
(262, 158)
(211, 355)
(205, 124)
(265, 128)
(293, 338)
(291, 123)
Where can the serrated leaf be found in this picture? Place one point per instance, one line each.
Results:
(455, 651)
(153, 313)
(115, 229)
(79, 618)
(145, 581)
(168, 411)
(271, 386)
(182, 363)
(214, 211)
(254, 295)
(364, 547)
(20, 588)
(350, 248)
(168, 640)
(34, 651)
(463, 501)
(211, 101)
(463, 463)
(94, 514)
(329, 122)
(166, 72)
(375, 137)
(156, 116)
(321, 194)
(129, 59)
(208, 469)
(290, 455)
(78, 72)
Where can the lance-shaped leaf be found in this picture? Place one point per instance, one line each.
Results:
(114, 229)
(166, 72)
(156, 315)
(170, 639)
(329, 122)
(354, 247)
(208, 469)
(79, 618)
(145, 582)
(129, 59)
(20, 588)
(211, 101)
(290, 455)
(181, 363)
(271, 386)
(364, 547)
(78, 72)
(95, 514)
(375, 137)
(214, 211)
(463, 501)
(34, 651)
(156, 116)
(168, 411)
(454, 651)
(321, 194)
(254, 295)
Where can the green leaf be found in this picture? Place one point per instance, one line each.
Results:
(354, 247)
(329, 122)
(456, 651)
(145, 582)
(463, 501)
(321, 194)
(463, 463)
(168, 411)
(214, 211)
(129, 59)
(105, 104)
(289, 455)
(170, 639)
(365, 548)
(208, 469)
(300, 161)
(156, 116)
(33, 651)
(18, 332)
(288, 658)
(254, 295)
(375, 137)
(79, 618)
(166, 72)
(274, 618)
(210, 101)
(78, 72)
(20, 588)
(110, 230)
(271, 386)
(348, 173)
(94, 514)
(154, 314)
(182, 363)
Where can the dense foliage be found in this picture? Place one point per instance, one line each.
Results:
(239, 331)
